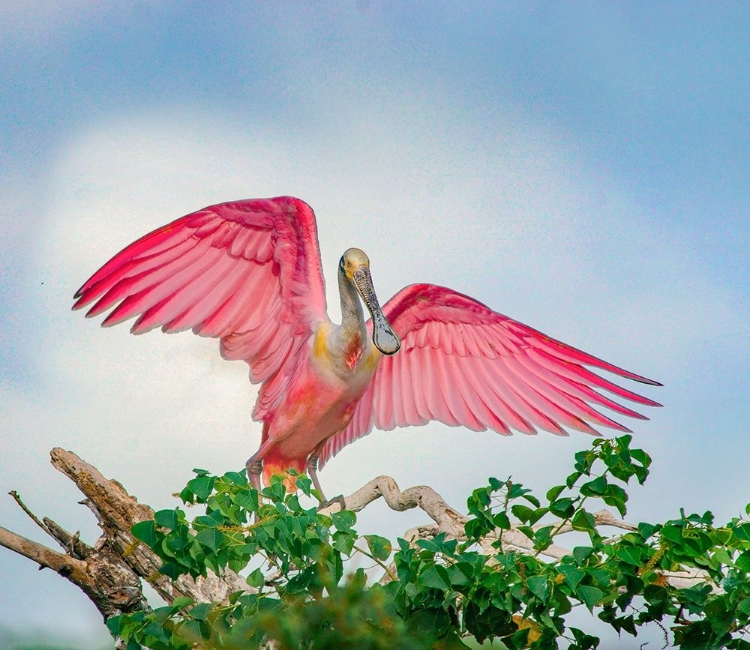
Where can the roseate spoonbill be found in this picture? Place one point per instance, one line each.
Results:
(249, 274)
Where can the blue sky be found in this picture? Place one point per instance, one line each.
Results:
(582, 167)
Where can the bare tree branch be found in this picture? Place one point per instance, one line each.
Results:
(449, 520)
(117, 512)
(46, 558)
(104, 577)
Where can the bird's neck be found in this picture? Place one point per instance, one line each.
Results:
(352, 335)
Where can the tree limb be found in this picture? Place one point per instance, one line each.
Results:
(46, 558)
(104, 578)
(117, 512)
(452, 522)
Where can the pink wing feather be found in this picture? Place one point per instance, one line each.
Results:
(465, 365)
(246, 272)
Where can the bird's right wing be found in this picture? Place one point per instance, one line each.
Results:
(463, 364)
(246, 272)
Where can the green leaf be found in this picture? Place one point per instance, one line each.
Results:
(380, 547)
(522, 513)
(187, 496)
(429, 624)
(617, 497)
(580, 553)
(743, 561)
(460, 574)
(563, 508)
(256, 579)
(696, 636)
(113, 624)
(200, 611)
(146, 532)
(641, 456)
(476, 528)
(495, 483)
(517, 490)
(439, 544)
(722, 556)
(589, 595)
(572, 575)
(555, 492)
(719, 615)
(630, 554)
(344, 520)
(646, 530)
(304, 484)
(166, 518)
(742, 530)
(192, 630)
(172, 570)
(247, 499)
(539, 586)
(538, 514)
(237, 478)
(584, 461)
(479, 499)
(300, 583)
(210, 537)
(543, 537)
(343, 541)
(672, 533)
(436, 577)
(500, 520)
(526, 530)
(596, 487)
(201, 487)
(600, 575)
(156, 631)
(583, 520)
(570, 481)
(181, 602)
(208, 521)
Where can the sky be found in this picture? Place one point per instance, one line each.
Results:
(581, 167)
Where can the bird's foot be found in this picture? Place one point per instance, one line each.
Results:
(254, 468)
(329, 502)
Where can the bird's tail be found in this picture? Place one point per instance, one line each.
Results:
(277, 464)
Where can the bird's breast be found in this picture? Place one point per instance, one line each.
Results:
(321, 399)
(352, 358)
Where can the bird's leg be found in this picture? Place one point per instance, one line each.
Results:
(254, 467)
(312, 472)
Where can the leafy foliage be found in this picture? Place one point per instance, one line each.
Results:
(441, 592)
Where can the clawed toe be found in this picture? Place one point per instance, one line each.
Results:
(339, 499)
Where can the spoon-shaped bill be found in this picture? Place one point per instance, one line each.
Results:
(383, 336)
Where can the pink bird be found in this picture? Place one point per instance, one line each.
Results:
(249, 274)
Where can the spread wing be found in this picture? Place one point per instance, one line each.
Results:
(465, 365)
(246, 272)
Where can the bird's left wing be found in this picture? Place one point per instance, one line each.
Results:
(465, 365)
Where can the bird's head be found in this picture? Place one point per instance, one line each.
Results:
(355, 265)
